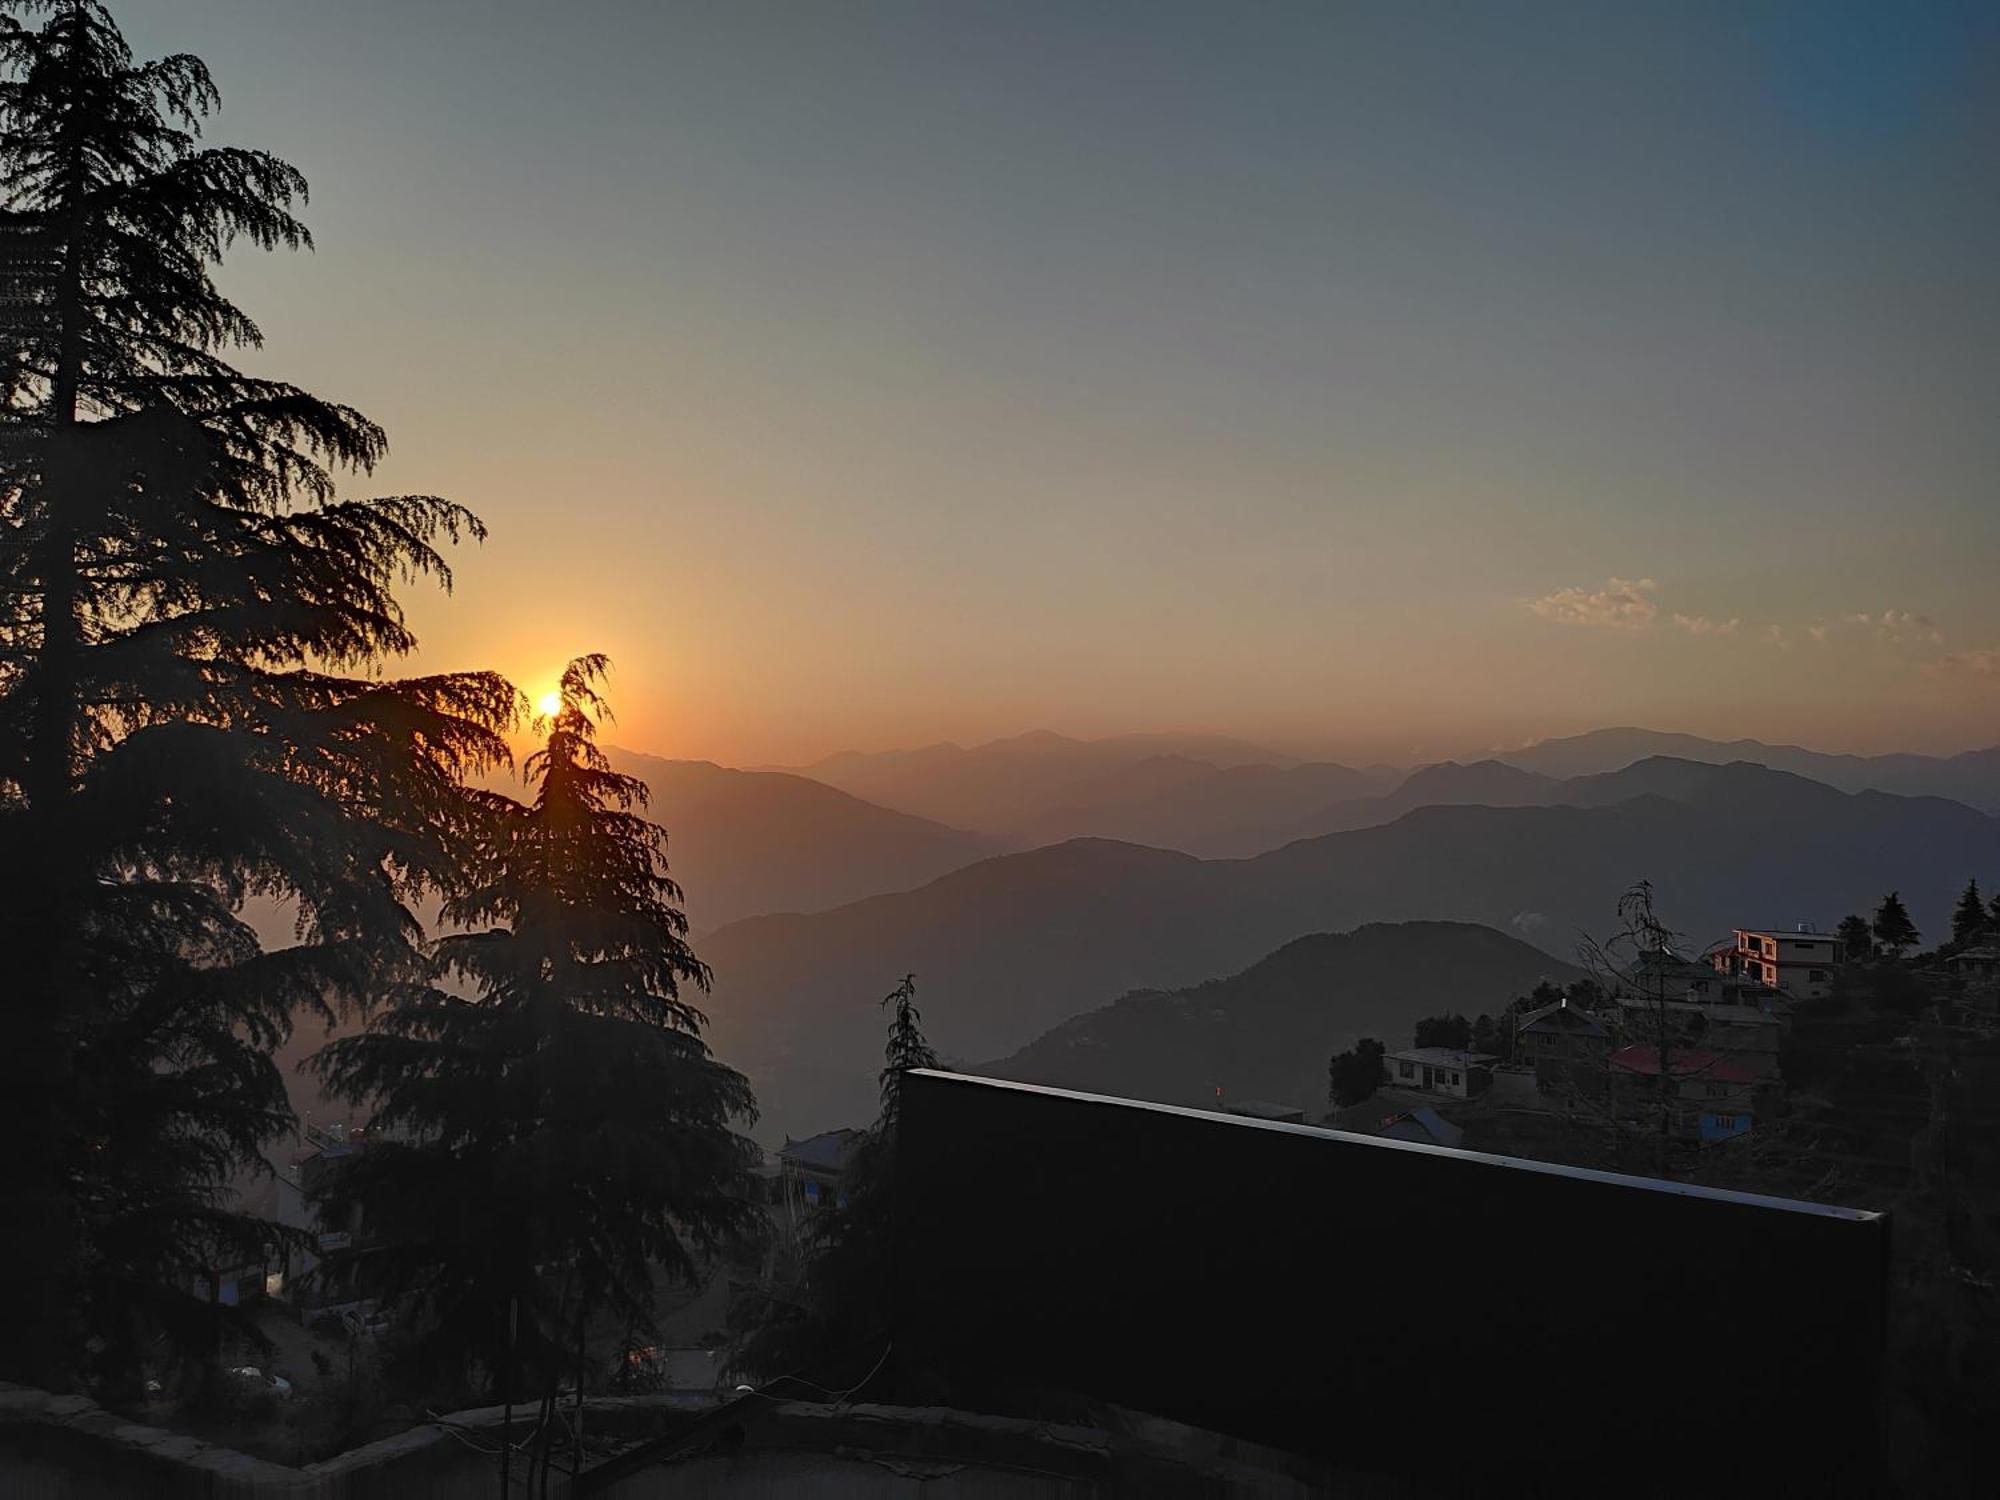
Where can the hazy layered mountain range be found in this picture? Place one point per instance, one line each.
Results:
(1503, 783)
(1266, 1033)
(743, 843)
(811, 899)
(1175, 791)
(1010, 946)
(1972, 777)
(1222, 798)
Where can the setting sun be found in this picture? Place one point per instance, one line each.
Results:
(549, 704)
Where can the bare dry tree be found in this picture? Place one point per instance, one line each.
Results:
(1633, 956)
(1637, 962)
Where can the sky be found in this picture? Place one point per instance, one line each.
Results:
(1382, 380)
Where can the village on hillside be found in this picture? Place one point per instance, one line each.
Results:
(1760, 1063)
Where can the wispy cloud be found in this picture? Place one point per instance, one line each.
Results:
(1631, 604)
(1977, 661)
(1900, 625)
(1703, 625)
(1622, 604)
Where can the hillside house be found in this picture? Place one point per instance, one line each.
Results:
(1980, 965)
(325, 1149)
(810, 1170)
(1451, 1071)
(1747, 1037)
(1661, 971)
(1716, 988)
(1799, 960)
(1560, 1033)
(1712, 1098)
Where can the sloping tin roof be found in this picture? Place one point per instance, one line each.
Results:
(1565, 1018)
(1682, 1063)
(826, 1152)
(1422, 1124)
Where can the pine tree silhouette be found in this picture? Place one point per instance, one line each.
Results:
(1893, 928)
(554, 1138)
(833, 1321)
(1969, 920)
(180, 594)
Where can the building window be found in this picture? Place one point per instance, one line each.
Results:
(1405, 1070)
(1454, 1077)
(1817, 976)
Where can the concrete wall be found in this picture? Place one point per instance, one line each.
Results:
(865, 1450)
(69, 1448)
(1516, 1088)
(1318, 1291)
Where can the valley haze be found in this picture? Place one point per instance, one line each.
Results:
(1032, 881)
(1145, 863)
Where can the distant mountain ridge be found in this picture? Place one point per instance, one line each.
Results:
(1214, 812)
(744, 843)
(1006, 948)
(1266, 1032)
(1205, 794)
(1972, 777)
(1493, 783)
(1222, 798)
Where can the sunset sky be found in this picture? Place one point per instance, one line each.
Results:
(1387, 380)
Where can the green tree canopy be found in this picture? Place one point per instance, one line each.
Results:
(1857, 939)
(1449, 1030)
(1543, 994)
(1354, 1075)
(557, 1136)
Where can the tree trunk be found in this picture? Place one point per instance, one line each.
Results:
(507, 1397)
(43, 1090)
(576, 1467)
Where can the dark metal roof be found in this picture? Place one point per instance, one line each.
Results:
(1444, 1057)
(1264, 1109)
(1575, 1021)
(828, 1151)
(1422, 1124)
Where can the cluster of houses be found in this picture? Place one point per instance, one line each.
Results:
(1705, 1032)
